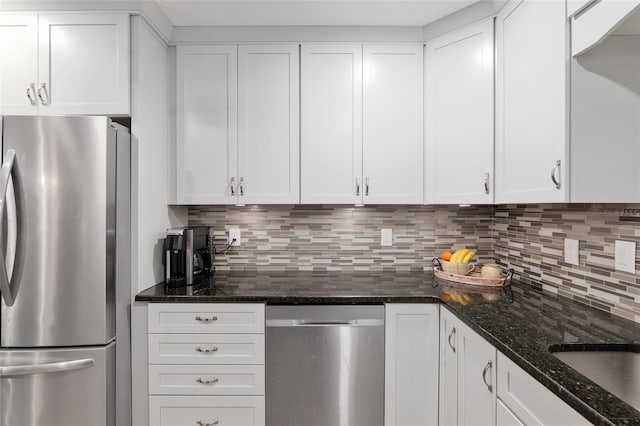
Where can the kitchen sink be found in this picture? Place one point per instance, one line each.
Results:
(614, 367)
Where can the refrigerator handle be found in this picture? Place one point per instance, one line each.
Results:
(5, 175)
(54, 367)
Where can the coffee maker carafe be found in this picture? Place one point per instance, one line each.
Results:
(187, 257)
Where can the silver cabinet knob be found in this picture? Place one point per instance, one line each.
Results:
(486, 183)
(232, 186)
(201, 423)
(366, 186)
(207, 382)
(207, 351)
(357, 186)
(205, 319)
(453, 333)
(241, 186)
(484, 375)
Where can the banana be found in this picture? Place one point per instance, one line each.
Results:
(468, 256)
(459, 255)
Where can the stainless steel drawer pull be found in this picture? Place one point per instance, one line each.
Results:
(207, 351)
(486, 183)
(232, 186)
(357, 186)
(366, 187)
(484, 375)
(556, 167)
(201, 423)
(199, 318)
(453, 333)
(206, 382)
(31, 94)
(241, 187)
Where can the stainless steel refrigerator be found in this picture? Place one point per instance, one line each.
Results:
(64, 272)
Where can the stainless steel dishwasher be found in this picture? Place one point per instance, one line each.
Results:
(325, 365)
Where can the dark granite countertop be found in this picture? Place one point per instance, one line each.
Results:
(521, 321)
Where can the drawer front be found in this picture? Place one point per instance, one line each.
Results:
(206, 380)
(206, 349)
(206, 318)
(206, 410)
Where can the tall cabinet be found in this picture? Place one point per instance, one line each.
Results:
(459, 116)
(237, 124)
(362, 124)
(532, 89)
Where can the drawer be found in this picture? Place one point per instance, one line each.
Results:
(206, 379)
(206, 348)
(206, 410)
(206, 318)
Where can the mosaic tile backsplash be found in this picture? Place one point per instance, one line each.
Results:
(344, 237)
(529, 238)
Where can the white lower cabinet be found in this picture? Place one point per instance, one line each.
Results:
(522, 400)
(206, 411)
(214, 373)
(411, 364)
(467, 375)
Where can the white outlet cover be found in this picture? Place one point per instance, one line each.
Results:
(625, 256)
(386, 237)
(234, 233)
(572, 251)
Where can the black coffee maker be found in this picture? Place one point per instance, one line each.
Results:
(187, 258)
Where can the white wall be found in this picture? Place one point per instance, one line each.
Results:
(152, 159)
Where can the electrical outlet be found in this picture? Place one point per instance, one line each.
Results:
(234, 233)
(625, 256)
(572, 251)
(386, 237)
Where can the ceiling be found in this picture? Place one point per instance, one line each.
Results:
(410, 13)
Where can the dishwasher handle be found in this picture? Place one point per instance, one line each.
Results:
(323, 323)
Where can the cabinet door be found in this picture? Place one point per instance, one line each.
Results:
(411, 364)
(448, 401)
(18, 64)
(392, 118)
(268, 124)
(459, 116)
(531, 102)
(476, 379)
(331, 124)
(206, 106)
(84, 64)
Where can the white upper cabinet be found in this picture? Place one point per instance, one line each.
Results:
(206, 106)
(65, 64)
(362, 124)
(18, 64)
(459, 116)
(331, 124)
(531, 102)
(237, 124)
(392, 109)
(268, 124)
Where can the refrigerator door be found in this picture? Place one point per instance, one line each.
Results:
(62, 279)
(71, 387)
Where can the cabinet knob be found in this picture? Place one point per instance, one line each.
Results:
(366, 186)
(357, 186)
(556, 168)
(484, 375)
(205, 319)
(201, 423)
(31, 94)
(43, 90)
(241, 187)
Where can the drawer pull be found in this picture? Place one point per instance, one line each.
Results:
(201, 423)
(207, 351)
(453, 332)
(206, 382)
(205, 319)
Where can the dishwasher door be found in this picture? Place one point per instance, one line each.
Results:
(325, 365)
